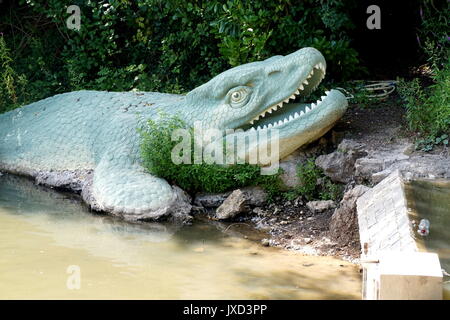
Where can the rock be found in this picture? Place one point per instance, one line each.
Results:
(320, 206)
(289, 165)
(366, 167)
(181, 207)
(344, 221)
(378, 176)
(382, 161)
(235, 204)
(340, 164)
(256, 196)
(210, 200)
(265, 242)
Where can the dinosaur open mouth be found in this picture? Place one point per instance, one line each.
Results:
(290, 108)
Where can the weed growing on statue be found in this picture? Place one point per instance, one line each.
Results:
(314, 184)
(156, 148)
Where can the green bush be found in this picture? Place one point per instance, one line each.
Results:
(167, 46)
(156, 149)
(314, 184)
(10, 82)
(428, 109)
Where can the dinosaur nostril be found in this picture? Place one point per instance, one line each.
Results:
(273, 72)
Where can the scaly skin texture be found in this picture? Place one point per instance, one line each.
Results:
(88, 140)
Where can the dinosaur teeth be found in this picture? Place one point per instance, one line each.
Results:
(307, 109)
(301, 87)
(305, 81)
(296, 115)
(313, 105)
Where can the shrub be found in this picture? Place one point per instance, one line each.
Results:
(428, 109)
(169, 46)
(156, 149)
(314, 184)
(9, 80)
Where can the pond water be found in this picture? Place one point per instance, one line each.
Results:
(431, 200)
(47, 237)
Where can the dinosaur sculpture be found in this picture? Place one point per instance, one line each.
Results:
(87, 141)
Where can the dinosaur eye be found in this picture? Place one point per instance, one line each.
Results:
(236, 96)
(239, 96)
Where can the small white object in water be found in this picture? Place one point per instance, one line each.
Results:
(424, 227)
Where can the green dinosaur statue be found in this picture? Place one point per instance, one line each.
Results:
(87, 141)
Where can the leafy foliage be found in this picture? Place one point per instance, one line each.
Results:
(428, 109)
(156, 151)
(155, 45)
(314, 184)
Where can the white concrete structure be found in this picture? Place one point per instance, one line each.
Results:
(393, 267)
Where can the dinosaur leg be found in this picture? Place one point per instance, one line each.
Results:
(125, 189)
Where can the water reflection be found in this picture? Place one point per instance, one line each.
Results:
(42, 232)
(430, 199)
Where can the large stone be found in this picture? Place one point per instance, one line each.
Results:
(320, 206)
(344, 221)
(235, 204)
(289, 166)
(340, 164)
(210, 200)
(256, 196)
(366, 167)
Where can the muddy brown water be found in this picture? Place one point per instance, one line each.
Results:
(48, 238)
(430, 199)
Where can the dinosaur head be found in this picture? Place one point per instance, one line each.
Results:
(261, 96)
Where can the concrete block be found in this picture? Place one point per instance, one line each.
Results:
(409, 276)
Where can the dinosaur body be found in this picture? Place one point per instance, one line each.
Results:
(88, 140)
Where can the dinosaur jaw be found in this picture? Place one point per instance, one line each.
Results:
(287, 109)
(301, 123)
(306, 85)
